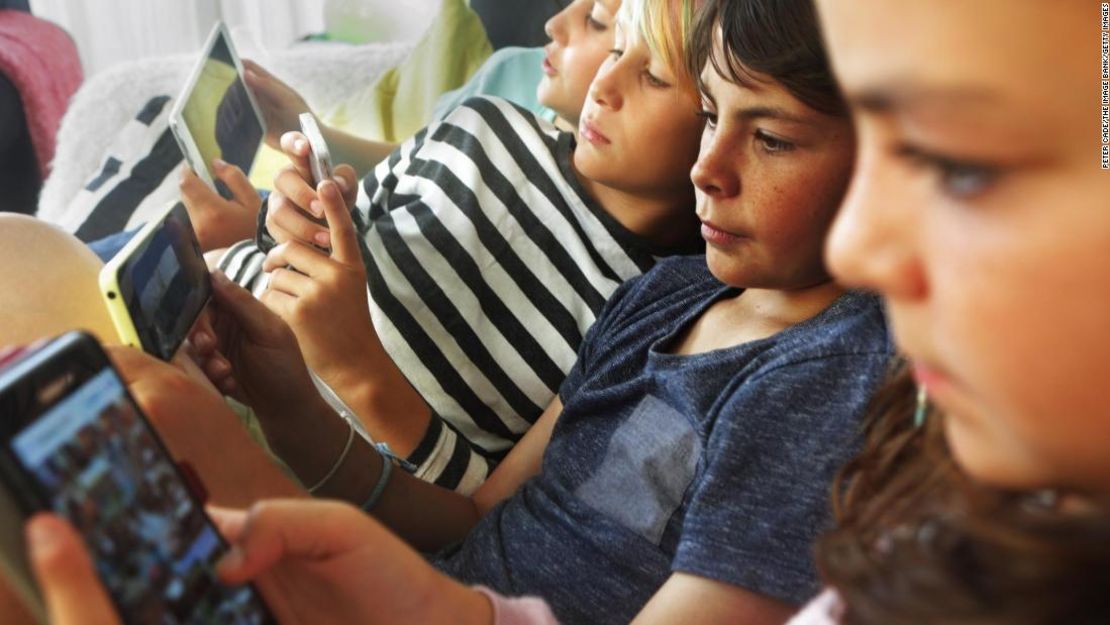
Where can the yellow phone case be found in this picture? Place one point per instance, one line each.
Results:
(109, 282)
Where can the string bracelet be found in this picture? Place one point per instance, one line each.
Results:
(338, 461)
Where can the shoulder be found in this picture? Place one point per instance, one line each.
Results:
(675, 281)
(494, 110)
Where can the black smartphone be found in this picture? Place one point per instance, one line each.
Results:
(73, 441)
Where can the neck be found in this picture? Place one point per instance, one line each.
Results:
(665, 218)
(787, 307)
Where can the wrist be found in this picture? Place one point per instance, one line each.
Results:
(290, 430)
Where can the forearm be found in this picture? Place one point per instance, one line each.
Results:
(362, 154)
(426, 516)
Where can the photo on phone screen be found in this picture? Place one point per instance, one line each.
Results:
(165, 285)
(91, 457)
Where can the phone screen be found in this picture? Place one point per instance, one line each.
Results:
(93, 459)
(165, 285)
(219, 114)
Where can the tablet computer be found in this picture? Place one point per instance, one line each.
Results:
(216, 115)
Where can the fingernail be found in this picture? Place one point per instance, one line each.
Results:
(42, 537)
(219, 163)
(328, 190)
(203, 340)
(300, 145)
(323, 238)
(342, 182)
(220, 365)
(316, 207)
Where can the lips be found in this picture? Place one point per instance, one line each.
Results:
(589, 132)
(548, 68)
(716, 236)
(930, 376)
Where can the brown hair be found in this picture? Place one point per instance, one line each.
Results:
(917, 542)
(760, 39)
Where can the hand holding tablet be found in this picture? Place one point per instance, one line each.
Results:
(216, 116)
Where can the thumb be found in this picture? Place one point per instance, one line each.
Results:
(289, 529)
(64, 570)
(347, 179)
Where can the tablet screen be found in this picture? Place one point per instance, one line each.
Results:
(218, 112)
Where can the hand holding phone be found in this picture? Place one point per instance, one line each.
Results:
(156, 286)
(74, 442)
(319, 157)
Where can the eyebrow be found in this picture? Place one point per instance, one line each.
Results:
(758, 112)
(884, 99)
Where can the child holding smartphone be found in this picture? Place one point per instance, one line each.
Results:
(551, 82)
(490, 243)
(683, 470)
(1038, 562)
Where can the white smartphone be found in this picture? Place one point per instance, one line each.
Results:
(216, 115)
(319, 158)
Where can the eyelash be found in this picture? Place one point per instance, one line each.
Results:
(595, 25)
(956, 178)
(773, 145)
(709, 116)
(652, 79)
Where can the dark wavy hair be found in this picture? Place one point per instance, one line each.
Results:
(776, 39)
(919, 543)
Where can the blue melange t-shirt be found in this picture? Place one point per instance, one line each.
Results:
(715, 464)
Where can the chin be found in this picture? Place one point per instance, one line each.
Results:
(724, 268)
(986, 460)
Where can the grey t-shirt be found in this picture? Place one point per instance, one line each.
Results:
(715, 464)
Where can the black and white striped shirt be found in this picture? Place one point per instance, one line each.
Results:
(486, 263)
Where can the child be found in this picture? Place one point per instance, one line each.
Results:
(979, 211)
(685, 475)
(683, 467)
(550, 81)
(490, 243)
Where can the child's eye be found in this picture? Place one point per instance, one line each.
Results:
(956, 178)
(593, 24)
(616, 53)
(654, 80)
(964, 181)
(772, 144)
(709, 116)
